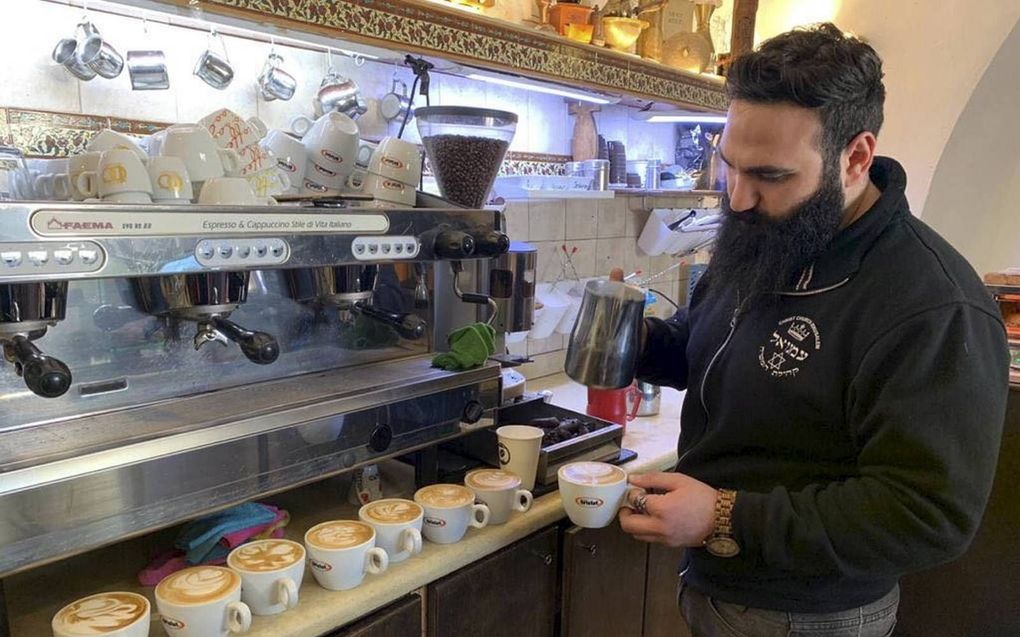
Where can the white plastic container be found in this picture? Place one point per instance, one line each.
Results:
(547, 318)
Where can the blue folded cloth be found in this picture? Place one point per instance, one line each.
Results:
(200, 538)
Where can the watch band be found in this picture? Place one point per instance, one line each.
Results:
(721, 542)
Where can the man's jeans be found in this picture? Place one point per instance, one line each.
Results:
(709, 617)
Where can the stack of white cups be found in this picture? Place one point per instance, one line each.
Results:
(393, 173)
(332, 145)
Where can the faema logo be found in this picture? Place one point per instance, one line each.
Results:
(170, 622)
(435, 522)
(57, 224)
(588, 502)
(322, 566)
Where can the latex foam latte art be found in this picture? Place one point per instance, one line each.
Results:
(101, 614)
(593, 473)
(393, 511)
(267, 556)
(493, 479)
(340, 534)
(198, 585)
(445, 495)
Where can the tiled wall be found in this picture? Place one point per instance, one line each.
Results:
(30, 79)
(605, 234)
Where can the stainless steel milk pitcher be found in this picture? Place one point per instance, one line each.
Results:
(604, 344)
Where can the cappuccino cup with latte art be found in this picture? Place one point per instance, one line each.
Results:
(500, 491)
(449, 510)
(271, 573)
(397, 523)
(116, 614)
(592, 492)
(202, 601)
(340, 552)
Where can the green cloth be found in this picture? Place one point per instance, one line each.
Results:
(469, 347)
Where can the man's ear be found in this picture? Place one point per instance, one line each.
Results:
(857, 159)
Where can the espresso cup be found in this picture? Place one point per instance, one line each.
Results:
(170, 180)
(592, 492)
(518, 447)
(230, 130)
(114, 614)
(202, 601)
(498, 490)
(203, 159)
(120, 172)
(340, 552)
(271, 181)
(231, 191)
(76, 165)
(397, 159)
(107, 139)
(449, 510)
(255, 158)
(310, 188)
(397, 524)
(382, 188)
(331, 141)
(271, 573)
(290, 155)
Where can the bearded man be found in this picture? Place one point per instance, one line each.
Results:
(846, 371)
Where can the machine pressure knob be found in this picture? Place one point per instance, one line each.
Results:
(473, 412)
(381, 438)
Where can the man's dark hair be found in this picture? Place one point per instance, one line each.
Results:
(821, 68)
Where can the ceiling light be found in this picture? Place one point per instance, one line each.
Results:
(542, 88)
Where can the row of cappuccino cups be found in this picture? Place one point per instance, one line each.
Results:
(264, 577)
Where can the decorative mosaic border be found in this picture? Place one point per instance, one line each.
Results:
(432, 29)
(49, 134)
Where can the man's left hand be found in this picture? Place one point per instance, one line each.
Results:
(684, 515)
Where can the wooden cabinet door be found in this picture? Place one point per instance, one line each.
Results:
(662, 616)
(511, 593)
(402, 618)
(603, 583)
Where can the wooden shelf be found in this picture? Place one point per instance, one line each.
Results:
(415, 26)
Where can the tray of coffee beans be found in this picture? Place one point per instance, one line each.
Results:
(569, 436)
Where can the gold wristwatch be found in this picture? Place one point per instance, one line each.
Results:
(721, 543)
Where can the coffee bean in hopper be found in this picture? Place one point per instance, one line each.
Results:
(465, 166)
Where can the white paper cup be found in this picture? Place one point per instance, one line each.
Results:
(338, 558)
(518, 451)
(592, 492)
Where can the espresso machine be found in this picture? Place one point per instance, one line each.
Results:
(322, 322)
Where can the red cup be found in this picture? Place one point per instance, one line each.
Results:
(611, 404)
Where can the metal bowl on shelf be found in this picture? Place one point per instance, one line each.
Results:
(622, 33)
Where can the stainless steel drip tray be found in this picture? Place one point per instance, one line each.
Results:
(224, 414)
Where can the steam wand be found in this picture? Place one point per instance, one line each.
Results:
(471, 297)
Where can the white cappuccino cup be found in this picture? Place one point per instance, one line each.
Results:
(397, 524)
(271, 574)
(341, 552)
(592, 492)
(449, 510)
(113, 614)
(499, 490)
(202, 601)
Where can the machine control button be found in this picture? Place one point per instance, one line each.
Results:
(386, 248)
(88, 257)
(243, 251)
(63, 257)
(373, 248)
(206, 251)
(11, 259)
(399, 248)
(473, 412)
(261, 250)
(226, 251)
(38, 257)
(409, 247)
(277, 250)
(381, 438)
(359, 248)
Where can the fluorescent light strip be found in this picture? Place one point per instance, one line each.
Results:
(686, 119)
(538, 88)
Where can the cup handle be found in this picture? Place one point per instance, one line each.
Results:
(86, 183)
(364, 154)
(258, 126)
(231, 162)
(300, 125)
(238, 617)
(62, 186)
(356, 180)
(522, 500)
(376, 561)
(286, 592)
(479, 522)
(411, 541)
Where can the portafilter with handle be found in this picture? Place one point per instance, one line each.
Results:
(26, 311)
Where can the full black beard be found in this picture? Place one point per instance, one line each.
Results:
(756, 256)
